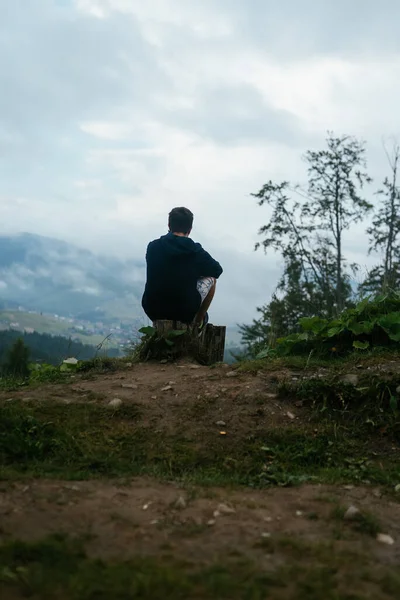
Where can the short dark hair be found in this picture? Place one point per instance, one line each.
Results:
(180, 220)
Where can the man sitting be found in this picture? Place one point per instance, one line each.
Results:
(181, 275)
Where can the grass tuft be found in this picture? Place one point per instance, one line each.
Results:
(80, 441)
(58, 567)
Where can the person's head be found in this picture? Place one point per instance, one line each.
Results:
(180, 221)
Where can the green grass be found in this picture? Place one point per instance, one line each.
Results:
(84, 441)
(103, 364)
(296, 363)
(52, 374)
(312, 362)
(10, 383)
(373, 404)
(58, 567)
(364, 522)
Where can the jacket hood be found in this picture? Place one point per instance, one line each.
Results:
(175, 245)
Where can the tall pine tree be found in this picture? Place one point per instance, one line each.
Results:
(17, 364)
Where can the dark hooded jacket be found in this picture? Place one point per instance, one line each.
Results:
(174, 264)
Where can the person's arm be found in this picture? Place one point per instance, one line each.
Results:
(149, 251)
(207, 266)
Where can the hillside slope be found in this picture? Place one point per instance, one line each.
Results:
(52, 276)
(196, 482)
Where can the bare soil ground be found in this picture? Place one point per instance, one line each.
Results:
(299, 535)
(149, 517)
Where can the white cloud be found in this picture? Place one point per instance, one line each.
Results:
(114, 111)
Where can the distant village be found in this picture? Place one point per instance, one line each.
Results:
(115, 334)
(120, 334)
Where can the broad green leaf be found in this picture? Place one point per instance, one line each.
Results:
(334, 331)
(361, 345)
(176, 333)
(294, 337)
(361, 306)
(314, 324)
(169, 342)
(304, 337)
(361, 327)
(393, 403)
(148, 331)
(263, 354)
(391, 324)
(391, 319)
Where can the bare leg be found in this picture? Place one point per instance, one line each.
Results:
(205, 305)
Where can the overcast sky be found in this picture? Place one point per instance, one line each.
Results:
(114, 111)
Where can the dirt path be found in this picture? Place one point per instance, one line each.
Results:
(166, 392)
(198, 524)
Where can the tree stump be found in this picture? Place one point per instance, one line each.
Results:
(163, 327)
(211, 344)
(207, 347)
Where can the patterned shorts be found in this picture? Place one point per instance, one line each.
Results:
(204, 286)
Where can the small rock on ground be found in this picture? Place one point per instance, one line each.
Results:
(180, 503)
(225, 509)
(383, 538)
(115, 402)
(350, 378)
(351, 513)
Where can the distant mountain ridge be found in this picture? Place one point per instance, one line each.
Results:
(55, 277)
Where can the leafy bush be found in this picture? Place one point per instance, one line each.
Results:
(161, 346)
(374, 322)
(46, 374)
(101, 364)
